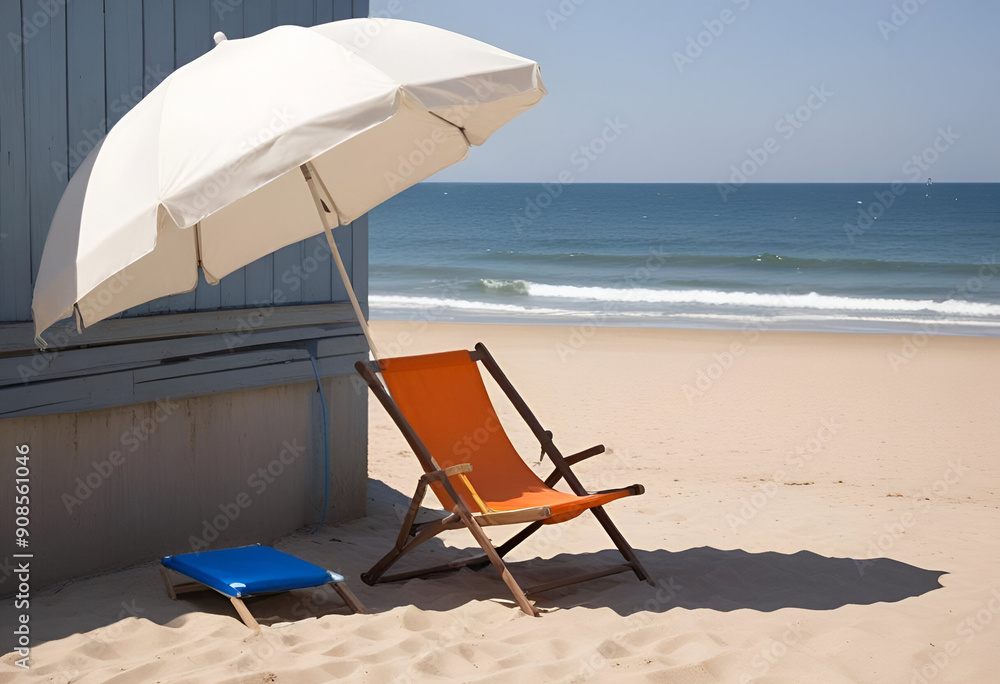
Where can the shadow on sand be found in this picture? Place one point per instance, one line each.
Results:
(705, 577)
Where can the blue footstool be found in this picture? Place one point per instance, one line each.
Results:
(248, 571)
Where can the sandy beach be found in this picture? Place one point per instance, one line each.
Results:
(818, 508)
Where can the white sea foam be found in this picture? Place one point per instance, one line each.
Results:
(607, 304)
(769, 318)
(431, 303)
(518, 287)
(761, 300)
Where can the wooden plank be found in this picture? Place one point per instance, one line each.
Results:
(85, 81)
(258, 16)
(15, 240)
(227, 16)
(232, 290)
(288, 260)
(260, 281)
(296, 12)
(359, 261)
(157, 41)
(324, 11)
(158, 61)
(44, 366)
(15, 337)
(224, 373)
(192, 30)
(45, 115)
(214, 364)
(360, 8)
(318, 270)
(38, 368)
(348, 415)
(585, 577)
(123, 47)
(287, 274)
(343, 9)
(62, 396)
(192, 39)
(344, 344)
(243, 378)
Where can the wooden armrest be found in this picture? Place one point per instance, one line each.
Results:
(445, 474)
(554, 478)
(438, 475)
(585, 454)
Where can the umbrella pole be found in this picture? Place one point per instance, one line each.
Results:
(324, 216)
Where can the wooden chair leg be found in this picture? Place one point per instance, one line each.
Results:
(623, 546)
(501, 568)
(245, 615)
(433, 529)
(401, 546)
(350, 599)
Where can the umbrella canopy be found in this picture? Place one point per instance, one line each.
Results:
(261, 143)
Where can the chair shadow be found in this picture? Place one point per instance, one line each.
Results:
(705, 577)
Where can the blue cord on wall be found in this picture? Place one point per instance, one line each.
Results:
(326, 443)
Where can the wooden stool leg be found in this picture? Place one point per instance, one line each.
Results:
(244, 612)
(169, 585)
(350, 599)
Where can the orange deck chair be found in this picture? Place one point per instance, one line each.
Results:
(440, 404)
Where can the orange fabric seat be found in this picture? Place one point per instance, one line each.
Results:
(445, 401)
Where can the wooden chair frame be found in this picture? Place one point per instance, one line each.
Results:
(461, 516)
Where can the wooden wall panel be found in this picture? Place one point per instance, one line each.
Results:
(228, 18)
(258, 16)
(85, 90)
(45, 121)
(15, 238)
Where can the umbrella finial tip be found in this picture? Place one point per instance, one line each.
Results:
(219, 37)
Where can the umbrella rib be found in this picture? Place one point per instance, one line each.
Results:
(461, 129)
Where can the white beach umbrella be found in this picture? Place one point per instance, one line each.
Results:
(261, 143)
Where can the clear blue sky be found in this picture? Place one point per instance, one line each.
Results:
(893, 85)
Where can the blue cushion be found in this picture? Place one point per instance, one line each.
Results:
(249, 570)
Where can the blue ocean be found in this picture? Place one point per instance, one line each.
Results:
(834, 257)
